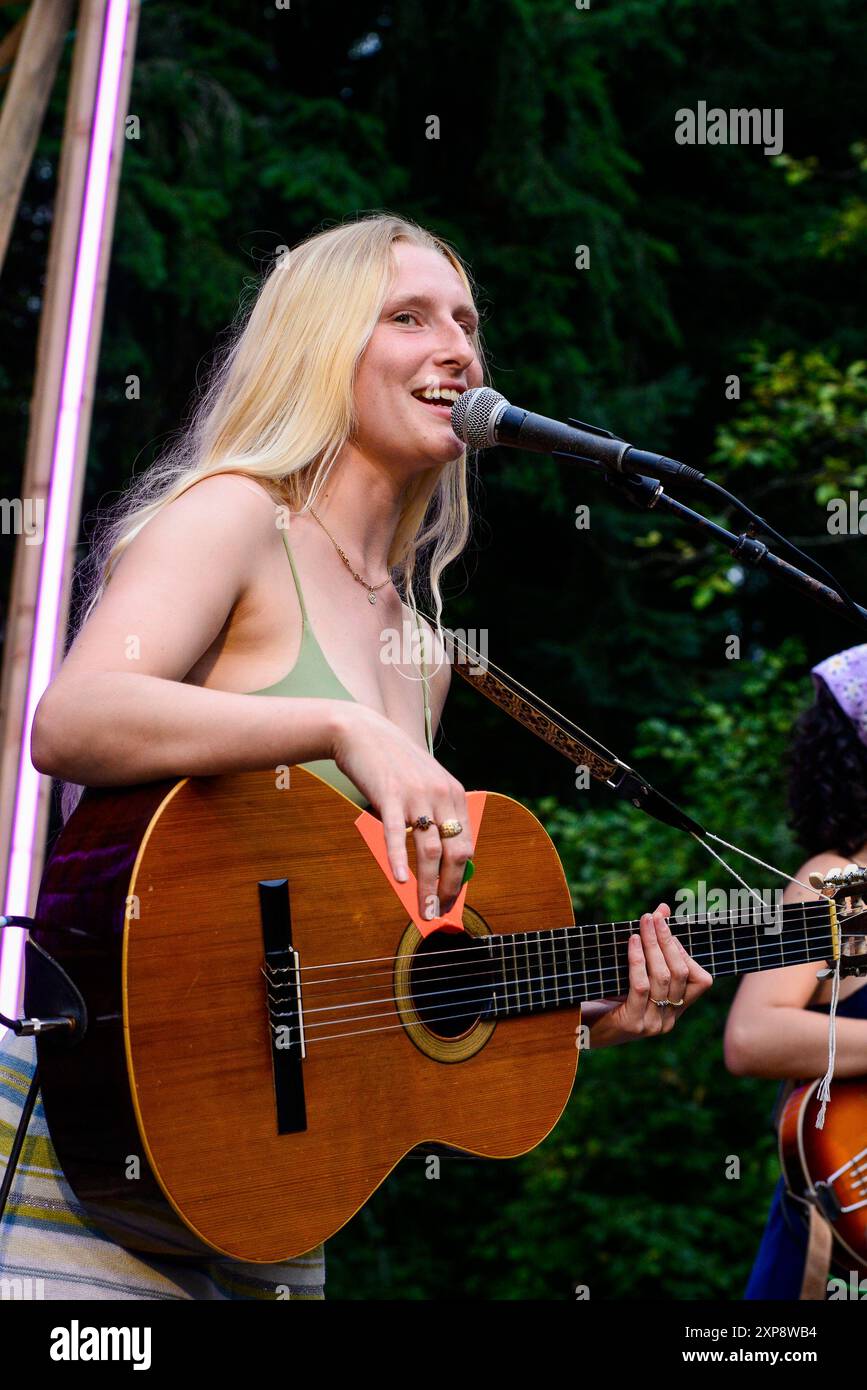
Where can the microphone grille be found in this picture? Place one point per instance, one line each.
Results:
(472, 414)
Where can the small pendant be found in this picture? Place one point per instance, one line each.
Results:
(372, 597)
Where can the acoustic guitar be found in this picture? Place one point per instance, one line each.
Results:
(271, 1027)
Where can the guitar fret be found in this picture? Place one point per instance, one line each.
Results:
(556, 965)
(700, 941)
(773, 939)
(580, 942)
(519, 979)
(541, 968)
(505, 979)
(569, 965)
(601, 981)
(529, 973)
(609, 978)
(490, 941)
(804, 921)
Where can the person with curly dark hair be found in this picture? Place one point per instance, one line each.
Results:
(777, 1025)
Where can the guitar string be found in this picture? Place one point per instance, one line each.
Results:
(534, 982)
(604, 935)
(717, 961)
(484, 998)
(473, 1013)
(605, 974)
(466, 955)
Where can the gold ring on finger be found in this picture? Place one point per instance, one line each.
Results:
(449, 828)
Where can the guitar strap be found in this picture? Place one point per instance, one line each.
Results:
(817, 1265)
(820, 1239)
(579, 748)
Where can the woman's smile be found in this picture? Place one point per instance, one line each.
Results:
(439, 399)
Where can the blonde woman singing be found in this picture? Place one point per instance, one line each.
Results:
(331, 409)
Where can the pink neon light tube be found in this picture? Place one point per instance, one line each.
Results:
(79, 328)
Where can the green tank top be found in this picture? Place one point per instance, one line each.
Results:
(313, 677)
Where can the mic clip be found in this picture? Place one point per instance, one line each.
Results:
(595, 429)
(643, 491)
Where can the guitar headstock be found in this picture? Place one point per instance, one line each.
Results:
(848, 888)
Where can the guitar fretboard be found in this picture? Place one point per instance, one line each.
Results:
(540, 970)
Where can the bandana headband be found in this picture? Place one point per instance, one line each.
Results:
(845, 675)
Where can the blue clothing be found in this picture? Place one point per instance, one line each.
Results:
(778, 1271)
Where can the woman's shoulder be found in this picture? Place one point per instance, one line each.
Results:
(241, 487)
(824, 861)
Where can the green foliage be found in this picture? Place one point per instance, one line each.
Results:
(804, 415)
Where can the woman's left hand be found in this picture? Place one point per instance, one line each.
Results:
(659, 970)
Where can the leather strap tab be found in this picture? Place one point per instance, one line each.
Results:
(818, 1262)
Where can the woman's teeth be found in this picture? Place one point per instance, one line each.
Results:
(436, 394)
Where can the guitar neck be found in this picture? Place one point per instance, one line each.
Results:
(540, 970)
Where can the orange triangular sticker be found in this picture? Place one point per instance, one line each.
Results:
(370, 827)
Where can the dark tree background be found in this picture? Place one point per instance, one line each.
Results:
(259, 124)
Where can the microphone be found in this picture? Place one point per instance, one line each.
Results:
(482, 417)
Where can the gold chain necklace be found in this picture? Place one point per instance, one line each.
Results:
(371, 592)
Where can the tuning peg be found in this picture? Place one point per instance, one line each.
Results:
(854, 876)
(823, 883)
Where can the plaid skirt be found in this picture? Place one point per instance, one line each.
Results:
(49, 1249)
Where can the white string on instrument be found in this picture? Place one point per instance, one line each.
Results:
(699, 920)
(483, 999)
(720, 958)
(539, 982)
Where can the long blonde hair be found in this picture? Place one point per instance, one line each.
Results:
(279, 407)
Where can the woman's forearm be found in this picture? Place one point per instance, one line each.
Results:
(792, 1043)
(116, 728)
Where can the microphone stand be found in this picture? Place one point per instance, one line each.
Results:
(53, 1004)
(648, 493)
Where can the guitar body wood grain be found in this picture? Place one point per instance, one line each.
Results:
(164, 1117)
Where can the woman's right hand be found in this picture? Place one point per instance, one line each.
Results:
(403, 782)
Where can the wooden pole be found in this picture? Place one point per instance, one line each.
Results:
(39, 48)
(45, 404)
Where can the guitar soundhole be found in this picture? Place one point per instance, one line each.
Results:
(450, 982)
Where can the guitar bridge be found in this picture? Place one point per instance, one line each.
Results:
(282, 971)
(285, 1013)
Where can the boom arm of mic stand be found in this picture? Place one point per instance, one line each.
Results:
(648, 493)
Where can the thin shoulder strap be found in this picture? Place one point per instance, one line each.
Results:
(425, 686)
(295, 577)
